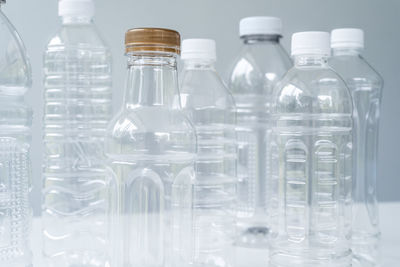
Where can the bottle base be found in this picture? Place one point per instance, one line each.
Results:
(253, 237)
(366, 253)
(312, 258)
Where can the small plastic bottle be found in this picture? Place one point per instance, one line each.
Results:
(365, 86)
(77, 189)
(261, 63)
(151, 148)
(210, 107)
(15, 142)
(311, 152)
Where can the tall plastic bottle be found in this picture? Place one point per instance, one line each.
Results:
(151, 148)
(311, 160)
(365, 86)
(77, 188)
(15, 138)
(209, 105)
(259, 66)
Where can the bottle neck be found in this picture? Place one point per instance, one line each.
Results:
(152, 80)
(261, 38)
(70, 20)
(311, 60)
(199, 64)
(347, 51)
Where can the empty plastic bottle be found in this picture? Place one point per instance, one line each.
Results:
(365, 86)
(311, 151)
(259, 66)
(209, 105)
(151, 148)
(15, 137)
(77, 188)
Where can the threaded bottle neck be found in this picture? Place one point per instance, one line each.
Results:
(71, 20)
(261, 38)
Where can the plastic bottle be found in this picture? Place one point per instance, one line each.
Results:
(365, 86)
(259, 66)
(311, 160)
(77, 188)
(151, 148)
(209, 105)
(15, 138)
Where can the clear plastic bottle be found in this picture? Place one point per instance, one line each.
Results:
(311, 152)
(210, 107)
(15, 138)
(365, 86)
(260, 65)
(151, 148)
(77, 188)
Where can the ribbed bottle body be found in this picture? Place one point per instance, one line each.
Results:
(311, 168)
(15, 183)
(77, 187)
(211, 109)
(15, 143)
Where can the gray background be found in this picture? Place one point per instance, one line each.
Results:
(37, 21)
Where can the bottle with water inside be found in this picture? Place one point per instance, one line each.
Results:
(365, 86)
(209, 105)
(15, 138)
(77, 189)
(311, 159)
(259, 66)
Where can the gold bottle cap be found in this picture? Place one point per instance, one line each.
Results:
(152, 39)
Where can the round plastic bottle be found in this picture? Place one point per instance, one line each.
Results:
(210, 107)
(365, 86)
(311, 152)
(259, 66)
(15, 138)
(151, 148)
(77, 189)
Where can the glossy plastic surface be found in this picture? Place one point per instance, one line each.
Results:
(311, 152)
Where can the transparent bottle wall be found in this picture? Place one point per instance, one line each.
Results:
(15, 137)
(311, 159)
(365, 86)
(260, 65)
(208, 104)
(151, 149)
(77, 188)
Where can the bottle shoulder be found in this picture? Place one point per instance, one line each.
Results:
(202, 88)
(312, 90)
(356, 72)
(15, 68)
(150, 131)
(257, 68)
(82, 36)
(139, 120)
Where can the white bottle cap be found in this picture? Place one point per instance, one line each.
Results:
(199, 49)
(311, 43)
(76, 8)
(347, 38)
(260, 25)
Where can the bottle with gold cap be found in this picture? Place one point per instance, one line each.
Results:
(151, 149)
(77, 188)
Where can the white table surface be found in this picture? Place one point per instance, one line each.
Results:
(389, 221)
